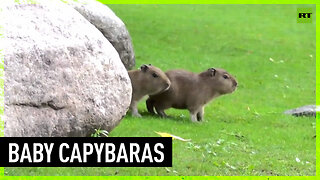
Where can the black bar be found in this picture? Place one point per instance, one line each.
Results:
(92, 160)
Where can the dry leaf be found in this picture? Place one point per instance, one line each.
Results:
(163, 134)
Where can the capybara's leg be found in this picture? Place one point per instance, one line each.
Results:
(150, 106)
(200, 114)
(193, 116)
(161, 112)
(194, 113)
(160, 107)
(134, 109)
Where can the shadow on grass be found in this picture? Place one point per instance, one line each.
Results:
(146, 114)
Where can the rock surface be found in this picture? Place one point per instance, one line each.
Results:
(111, 26)
(63, 78)
(308, 110)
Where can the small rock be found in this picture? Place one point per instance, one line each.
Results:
(309, 110)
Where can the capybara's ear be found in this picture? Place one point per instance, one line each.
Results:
(212, 71)
(144, 68)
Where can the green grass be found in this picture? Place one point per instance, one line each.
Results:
(244, 133)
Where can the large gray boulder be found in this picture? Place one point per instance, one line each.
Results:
(111, 26)
(63, 77)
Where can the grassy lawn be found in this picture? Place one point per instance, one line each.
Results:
(245, 133)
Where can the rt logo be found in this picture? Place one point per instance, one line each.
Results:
(304, 15)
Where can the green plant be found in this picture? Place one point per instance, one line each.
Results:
(100, 133)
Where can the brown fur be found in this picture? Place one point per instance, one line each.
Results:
(192, 91)
(148, 80)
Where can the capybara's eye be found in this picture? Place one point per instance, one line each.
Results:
(225, 77)
(155, 75)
